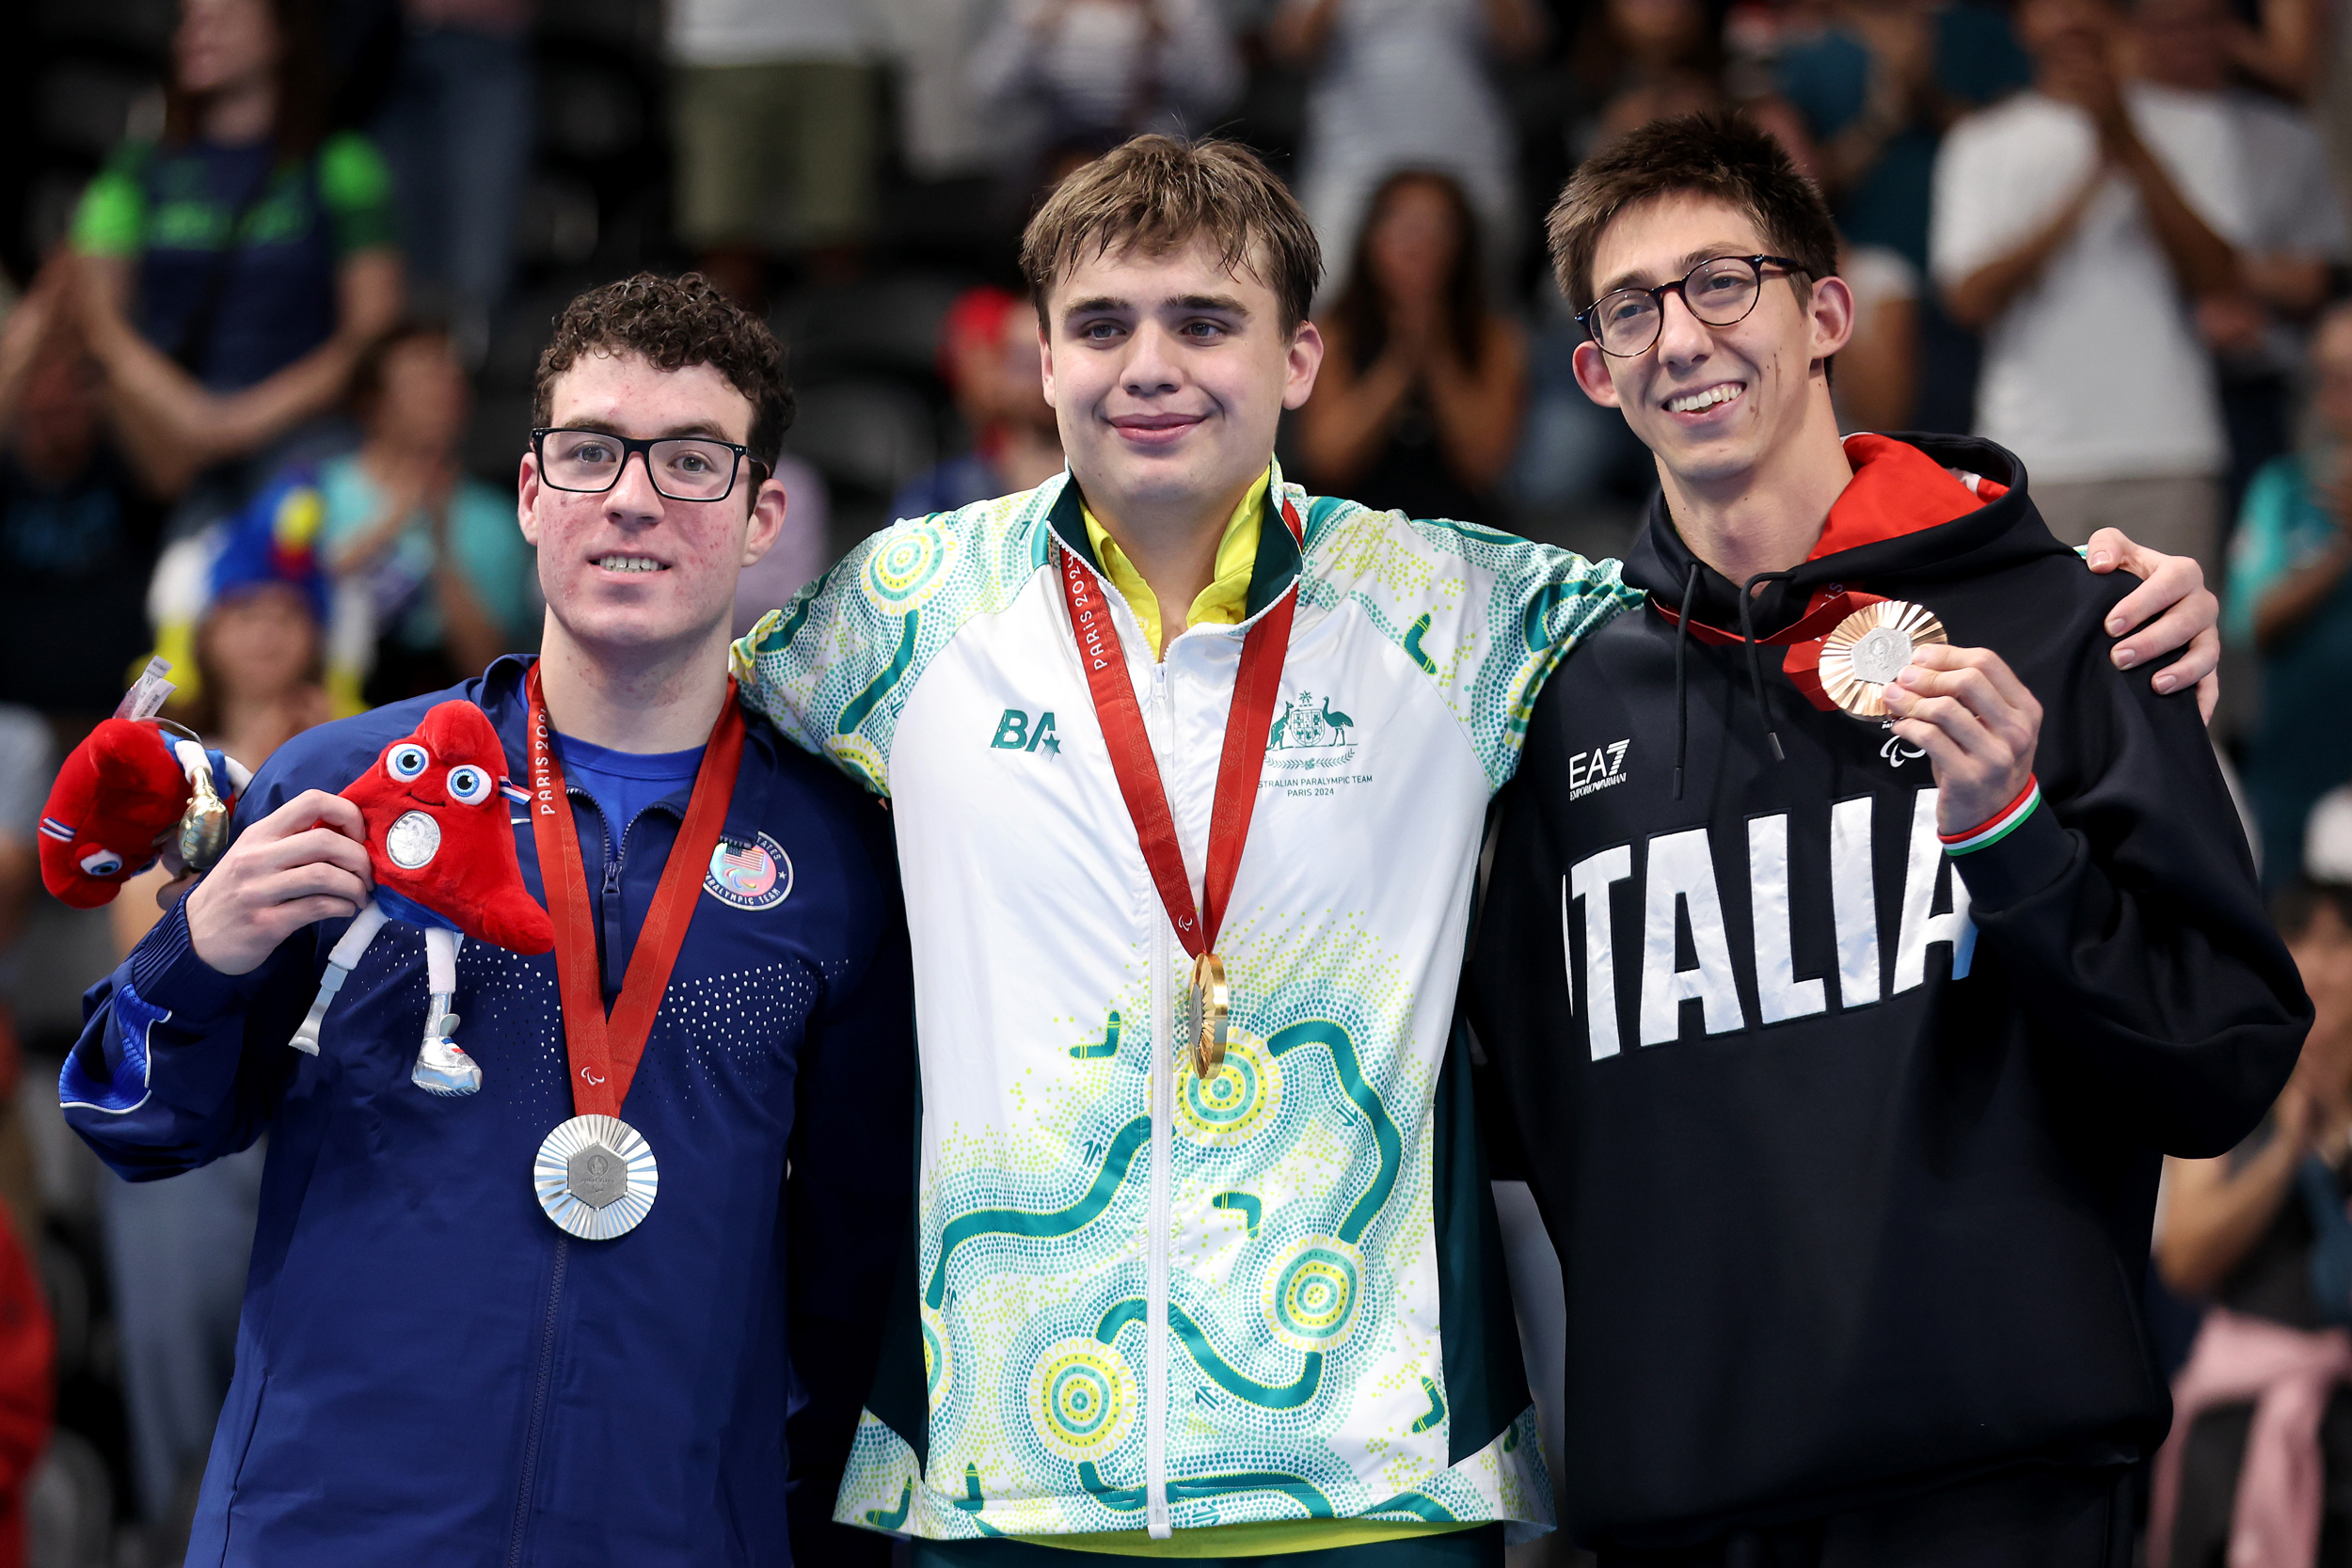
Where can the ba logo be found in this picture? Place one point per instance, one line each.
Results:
(1598, 769)
(750, 876)
(1016, 733)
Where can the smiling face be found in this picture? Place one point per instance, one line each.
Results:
(1714, 404)
(1168, 375)
(629, 574)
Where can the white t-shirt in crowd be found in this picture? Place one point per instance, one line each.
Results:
(1402, 84)
(2095, 370)
(763, 32)
(1110, 65)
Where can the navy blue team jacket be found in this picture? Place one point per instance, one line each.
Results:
(428, 1370)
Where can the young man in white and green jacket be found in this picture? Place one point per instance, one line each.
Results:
(1254, 1310)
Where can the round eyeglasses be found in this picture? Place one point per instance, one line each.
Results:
(1719, 291)
(682, 467)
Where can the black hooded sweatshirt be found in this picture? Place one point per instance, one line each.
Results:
(1851, 1189)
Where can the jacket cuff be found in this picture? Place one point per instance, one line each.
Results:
(2013, 864)
(164, 968)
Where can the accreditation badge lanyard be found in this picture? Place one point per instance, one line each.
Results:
(1257, 686)
(595, 1175)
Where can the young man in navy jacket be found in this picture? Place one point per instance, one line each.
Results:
(1843, 1049)
(429, 1368)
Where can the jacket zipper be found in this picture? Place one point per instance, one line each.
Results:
(538, 1403)
(1163, 1119)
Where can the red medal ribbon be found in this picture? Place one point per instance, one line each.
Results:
(1256, 686)
(602, 1052)
(1803, 662)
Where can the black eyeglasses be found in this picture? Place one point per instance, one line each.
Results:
(682, 467)
(1719, 291)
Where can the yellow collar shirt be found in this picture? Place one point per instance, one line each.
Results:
(1224, 602)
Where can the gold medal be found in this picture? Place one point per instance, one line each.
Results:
(1207, 1009)
(1869, 648)
(204, 825)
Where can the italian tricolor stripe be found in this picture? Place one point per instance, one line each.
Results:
(1999, 826)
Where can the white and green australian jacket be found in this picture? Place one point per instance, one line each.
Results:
(1143, 1300)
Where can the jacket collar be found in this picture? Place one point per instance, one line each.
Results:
(1883, 531)
(1279, 556)
(503, 693)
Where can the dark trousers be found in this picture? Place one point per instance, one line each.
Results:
(1480, 1547)
(2038, 1518)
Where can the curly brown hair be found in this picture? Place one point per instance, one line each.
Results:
(1155, 194)
(672, 322)
(1717, 154)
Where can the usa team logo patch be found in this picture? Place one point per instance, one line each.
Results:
(750, 876)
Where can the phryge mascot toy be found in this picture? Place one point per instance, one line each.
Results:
(443, 852)
(438, 838)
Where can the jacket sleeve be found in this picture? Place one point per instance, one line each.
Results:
(179, 1063)
(849, 1204)
(2125, 912)
(1485, 616)
(833, 668)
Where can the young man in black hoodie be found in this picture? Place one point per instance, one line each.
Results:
(1843, 1049)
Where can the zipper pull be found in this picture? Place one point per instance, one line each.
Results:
(611, 878)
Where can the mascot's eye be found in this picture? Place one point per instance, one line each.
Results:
(407, 760)
(469, 785)
(101, 862)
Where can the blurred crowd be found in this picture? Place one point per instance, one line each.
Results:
(279, 270)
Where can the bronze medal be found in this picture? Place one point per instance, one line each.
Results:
(1869, 648)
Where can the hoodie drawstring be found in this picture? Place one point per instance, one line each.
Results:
(1756, 663)
(1682, 690)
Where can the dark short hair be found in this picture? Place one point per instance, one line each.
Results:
(1156, 194)
(1717, 154)
(672, 322)
(2298, 904)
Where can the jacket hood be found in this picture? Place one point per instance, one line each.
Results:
(1921, 509)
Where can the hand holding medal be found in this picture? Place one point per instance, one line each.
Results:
(1978, 723)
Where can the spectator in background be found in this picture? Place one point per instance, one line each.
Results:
(776, 124)
(457, 128)
(1878, 371)
(2290, 602)
(988, 357)
(1875, 88)
(2261, 1234)
(2073, 225)
(178, 1249)
(1417, 408)
(1875, 85)
(1639, 60)
(1097, 71)
(1403, 84)
(237, 271)
(440, 571)
(79, 521)
(2294, 229)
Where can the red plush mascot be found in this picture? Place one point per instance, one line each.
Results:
(443, 852)
(132, 794)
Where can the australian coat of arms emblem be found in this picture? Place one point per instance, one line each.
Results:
(1307, 723)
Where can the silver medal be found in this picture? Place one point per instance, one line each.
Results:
(596, 1177)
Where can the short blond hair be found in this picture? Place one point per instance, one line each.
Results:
(1157, 194)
